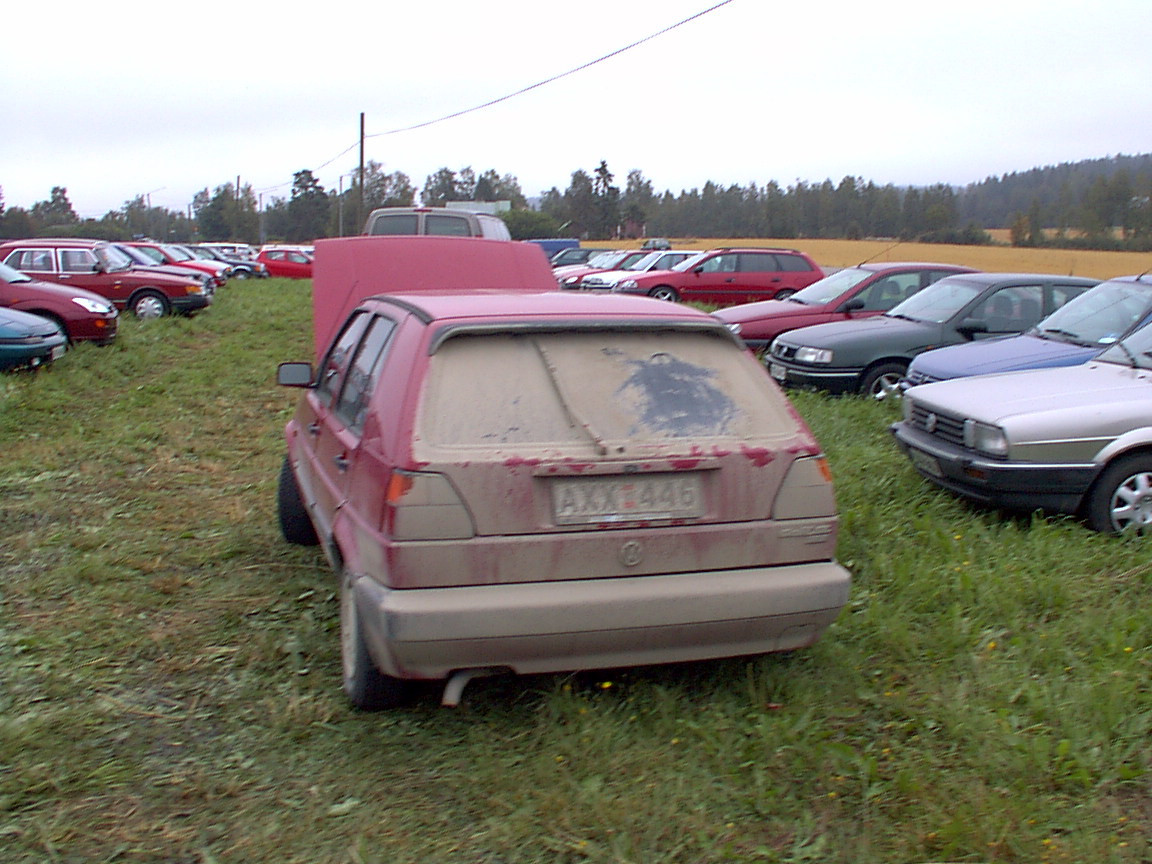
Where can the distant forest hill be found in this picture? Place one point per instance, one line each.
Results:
(1099, 203)
(1087, 196)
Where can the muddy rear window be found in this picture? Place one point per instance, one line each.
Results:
(611, 391)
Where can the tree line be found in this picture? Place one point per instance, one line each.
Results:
(1102, 203)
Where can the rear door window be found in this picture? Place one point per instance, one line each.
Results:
(451, 226)
(396, 223)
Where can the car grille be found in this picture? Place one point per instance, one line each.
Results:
(784, 352)
(915, 378)
(942, 426)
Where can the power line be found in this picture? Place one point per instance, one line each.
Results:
(531, 87)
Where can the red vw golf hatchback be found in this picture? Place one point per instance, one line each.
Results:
(546, 481)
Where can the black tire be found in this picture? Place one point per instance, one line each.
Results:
(664, 292)
(294, 522)
(241, 274)
(149, 305)
(881, 380)
(1121, 498)
(366, 687)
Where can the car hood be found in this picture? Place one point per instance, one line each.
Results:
(747, 313)
(1010, 354)
(893, 333)
(1081, 392)
(15, 324)
(19, 291)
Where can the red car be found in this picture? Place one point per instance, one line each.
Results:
(288, 263)
(854, 292)
(167, 253)
(102, 269)
(81, 315)
(545, 480)
(724, 277)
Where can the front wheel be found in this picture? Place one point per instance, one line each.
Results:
(148, 305)
(664, 292)
(882, 380)
(366, 687)
(1121, 499)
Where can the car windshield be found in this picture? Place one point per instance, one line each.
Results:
(1100, 316)
(11, 276)
(938, 302)
(112, 258)
(134, 254)
(645, 262)
(178, 253)
(830, 287)
(605, 259)
(1136, 350)
(687, 264)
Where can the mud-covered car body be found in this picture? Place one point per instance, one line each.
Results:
(537, 482)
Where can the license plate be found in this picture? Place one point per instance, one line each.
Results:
(778, 372)
(926, 463)
(58, 351)
(590, 500)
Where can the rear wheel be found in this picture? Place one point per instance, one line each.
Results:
(664, 292)
(882, 379)
(148, 305)
(294, 522)
(364, 685)
(1121, 499)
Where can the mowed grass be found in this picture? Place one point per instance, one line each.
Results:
(170, 687)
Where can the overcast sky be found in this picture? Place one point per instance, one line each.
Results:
(121, 99)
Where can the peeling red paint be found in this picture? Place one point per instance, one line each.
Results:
(758, 456)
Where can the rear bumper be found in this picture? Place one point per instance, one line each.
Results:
(599, 623)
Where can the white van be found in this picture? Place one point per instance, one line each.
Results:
(435, 220)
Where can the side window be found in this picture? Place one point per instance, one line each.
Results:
(76, 261)
(395, 223)
(339, 358)
(39, 260)
(753, 262)
(451, 226)
(794, 263)
(1012, 309)
(297, 257)
(1061, 294)
(720, 264)
(352, 403)
(890, 290)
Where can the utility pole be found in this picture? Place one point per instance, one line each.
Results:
(360, 202)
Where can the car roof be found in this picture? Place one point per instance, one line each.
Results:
(432, 306)
(994, 278)
(880, 266)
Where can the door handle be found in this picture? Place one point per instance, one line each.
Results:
(341, 462)
(313, 428)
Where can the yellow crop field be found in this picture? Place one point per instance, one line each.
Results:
(1008, 259)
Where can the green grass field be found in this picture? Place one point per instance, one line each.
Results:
(170, 671)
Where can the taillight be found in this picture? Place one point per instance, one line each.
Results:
(425, 506)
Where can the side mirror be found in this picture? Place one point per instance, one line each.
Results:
(852, 305)
(99, 267)
(296, 374)
(969, 327)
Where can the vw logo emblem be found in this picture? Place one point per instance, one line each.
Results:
(930, 423)
(630, 554)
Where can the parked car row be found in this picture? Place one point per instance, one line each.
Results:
(720, 277)
(1020, 391)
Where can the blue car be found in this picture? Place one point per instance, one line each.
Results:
(28, 341)
(1073, 334)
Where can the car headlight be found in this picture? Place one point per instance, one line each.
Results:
(625, 285)
(571, 280)
(813, 355)
(93, 306)
(985, 438)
